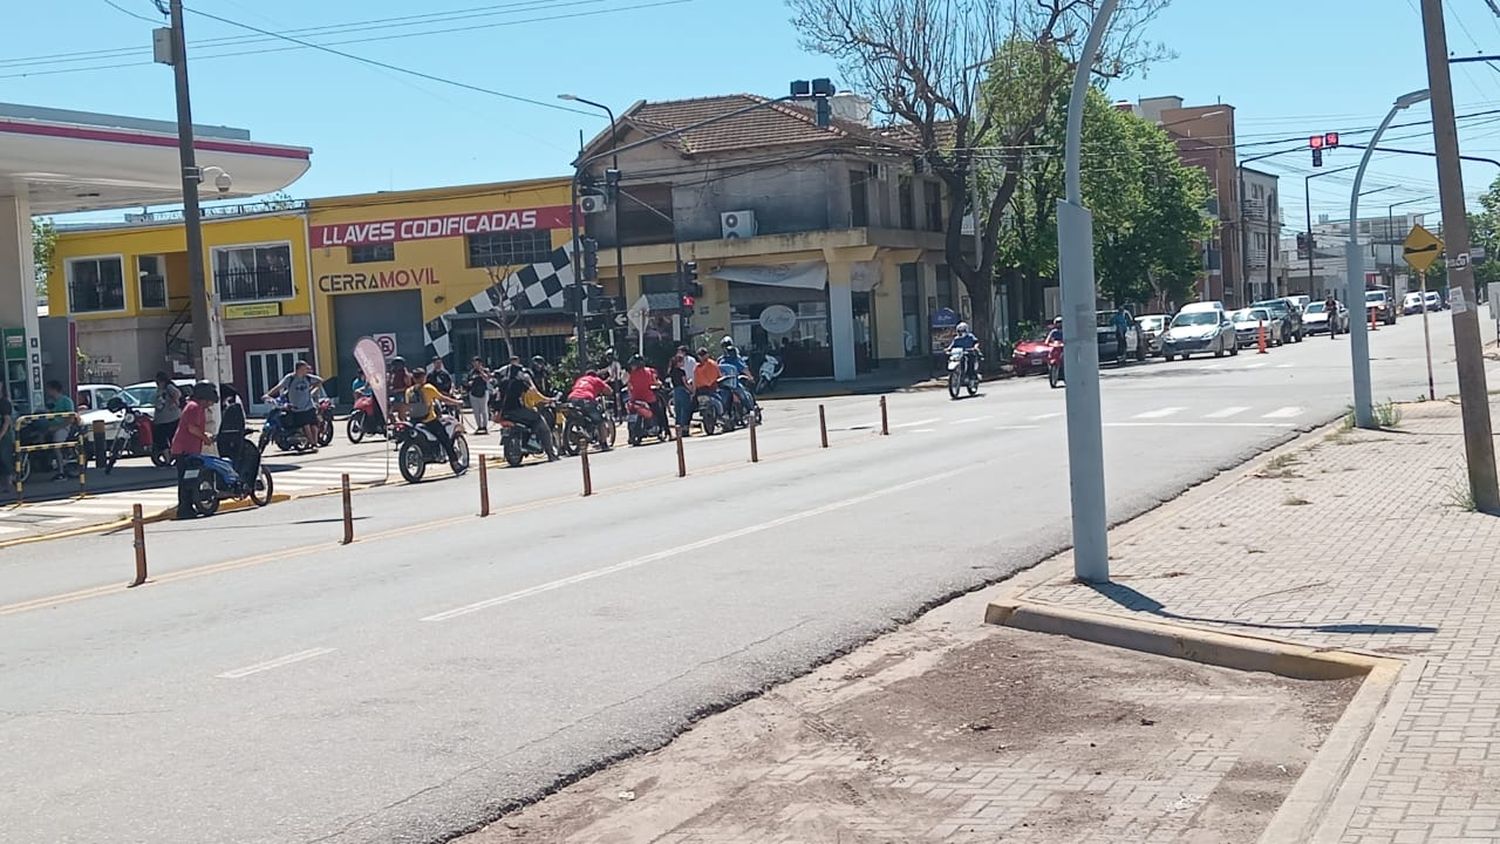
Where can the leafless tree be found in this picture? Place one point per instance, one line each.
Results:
(506, 315)
(973, 82)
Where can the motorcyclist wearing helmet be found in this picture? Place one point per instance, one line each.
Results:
(964, 339)
(587, 391)
(730, 363)
(1055, 334)
(541, 379)
(510, 403)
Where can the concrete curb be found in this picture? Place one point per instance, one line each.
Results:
(1319, 806)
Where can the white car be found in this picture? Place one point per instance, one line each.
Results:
(143, 395)
(1435, 301)
(1315, 319)
(91, 401)
(1249, 322)
(1411, 303)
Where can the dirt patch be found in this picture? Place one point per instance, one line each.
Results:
(978, 735)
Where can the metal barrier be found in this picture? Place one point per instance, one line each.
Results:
(77, 445)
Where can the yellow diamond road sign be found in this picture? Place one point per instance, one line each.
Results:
(1421, 249)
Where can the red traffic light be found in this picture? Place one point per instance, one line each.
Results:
(1331, 140)
(1316, 142)
(688, 302)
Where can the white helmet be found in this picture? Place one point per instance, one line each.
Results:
(963, 328)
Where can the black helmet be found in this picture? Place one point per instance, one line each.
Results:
(636, 360)
(398, 361)
(538, 360)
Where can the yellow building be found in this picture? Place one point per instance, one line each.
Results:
(126, 288)
(425, 272)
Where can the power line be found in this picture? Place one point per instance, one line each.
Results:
(124, 11)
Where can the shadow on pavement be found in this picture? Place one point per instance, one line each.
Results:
(1135, 601)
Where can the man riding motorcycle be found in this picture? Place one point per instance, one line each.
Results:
(966, 341)
(515, 400)
(730, 363)
(643, 382)
(585, 395)
(422, 401)
(1055, 335)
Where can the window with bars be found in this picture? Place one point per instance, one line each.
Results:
(253, 273)
(372, 253)
(510, 249)
(153, 281)
(95, 285)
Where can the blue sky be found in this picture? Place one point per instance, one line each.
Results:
(1290, 67)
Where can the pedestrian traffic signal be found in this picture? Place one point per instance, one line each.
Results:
(1315, 142)
(688, 302)
(1317, 157)
(1302, 245)
(1331, 140)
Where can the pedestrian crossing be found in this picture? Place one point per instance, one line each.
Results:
(1280, 413)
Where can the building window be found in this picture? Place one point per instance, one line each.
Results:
(659, 283)
(372, 253)
(908, 202)
(645, 214)
(859, 199)
(945, 288)
(253, 273)
(153, 281)
(510, 249)
(95, 285)
(932, 193)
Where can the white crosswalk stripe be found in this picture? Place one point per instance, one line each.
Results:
(1283, 413)
(1252, 366)
(1225, 412)
(1043, 416)
(1161, 413)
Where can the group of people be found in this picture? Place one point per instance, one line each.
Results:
(699, 373)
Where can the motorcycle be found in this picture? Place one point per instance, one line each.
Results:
(517, 441)
(279, 429)
(646, 419)
(735, 414)
(417, 449)
(232, 477)
(578, 429)
(963, 372)
(710, 409)
(325, 422)
(1055, 365)
(770, 372)
(366, 419)
(132, 438)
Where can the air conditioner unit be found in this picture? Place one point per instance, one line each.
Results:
(592, 203)
(737, 224)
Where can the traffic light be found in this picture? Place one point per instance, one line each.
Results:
(1302, 248)
(1331, 140)
(690, 283)
(590, 259)
(1315, 142)
(1317, 157)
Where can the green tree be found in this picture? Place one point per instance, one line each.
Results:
(43, 247)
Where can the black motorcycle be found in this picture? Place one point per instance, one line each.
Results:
(579, 429)
(132, 438)
(417, 448)
(232, 477)
(736, 414)
(648, 419)
(279, 429)
(518, 440)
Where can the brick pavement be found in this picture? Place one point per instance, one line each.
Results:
(1358, 542)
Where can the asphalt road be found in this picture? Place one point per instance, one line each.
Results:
(270, 685)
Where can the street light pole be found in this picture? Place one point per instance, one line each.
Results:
(1359, 337)
(191, 177)
(1479, 445)
(1307, 205)
(1075, 253)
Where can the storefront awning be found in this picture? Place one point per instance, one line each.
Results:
(812, 275)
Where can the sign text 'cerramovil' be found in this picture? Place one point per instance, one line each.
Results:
(361, 282)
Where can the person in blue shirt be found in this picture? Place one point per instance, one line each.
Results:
(966, 340)
(1121, 323)
(730, 361)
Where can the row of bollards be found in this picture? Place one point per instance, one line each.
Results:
(346, 494)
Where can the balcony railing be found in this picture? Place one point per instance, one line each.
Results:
(253, 285)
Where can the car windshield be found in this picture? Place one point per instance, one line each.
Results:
(1152, 323)
(1374, 295)
(1272, 306)
(139, 396)
(1315, 308)
(1251, 315)
(1196, 318)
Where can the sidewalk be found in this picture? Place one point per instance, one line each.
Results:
(950, 731)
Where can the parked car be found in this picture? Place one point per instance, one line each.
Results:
(1288, 314)
(1300, 301)
(1199, 330)
(1315, 319)
(92, 403)
(1248, 323)
(1109, 340)
(1030, 355)
(1411, 303)
(1435, 301)
(1379, 300)
(1154, 327)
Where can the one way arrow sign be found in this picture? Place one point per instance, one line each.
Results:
(1421, 249)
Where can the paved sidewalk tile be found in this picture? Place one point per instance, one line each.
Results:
(1359, 541)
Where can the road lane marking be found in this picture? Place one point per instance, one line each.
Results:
(668, 553)
(916, 423)
(1162, 413)
(1284, 366)
(972, 419)
(1252, 366)
(1199, 425)
(1225, 413)
(1283, 413)
(1043, 417)
(279, 662)
(1017, 427)
(924, 431)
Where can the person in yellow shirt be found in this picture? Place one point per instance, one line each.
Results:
(516, 399)
(422, 401)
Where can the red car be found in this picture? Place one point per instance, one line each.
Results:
(1030, 356)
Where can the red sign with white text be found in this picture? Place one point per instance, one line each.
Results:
(442, 225)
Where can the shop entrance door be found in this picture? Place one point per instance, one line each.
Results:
(264, 370)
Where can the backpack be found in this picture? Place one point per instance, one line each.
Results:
(417, 407)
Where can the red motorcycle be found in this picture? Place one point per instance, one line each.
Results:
(366, 419)
(1055, 364)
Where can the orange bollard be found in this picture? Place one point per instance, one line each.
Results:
(588, 479)
(139, 527)
(1374, 323)
(885, 419)
(823, 425)
(348, 512)
(1261, 338)
(681, 453)
(484, 486)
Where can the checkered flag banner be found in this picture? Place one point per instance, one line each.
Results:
(532, 286)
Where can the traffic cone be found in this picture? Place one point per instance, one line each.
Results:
(1261, 338)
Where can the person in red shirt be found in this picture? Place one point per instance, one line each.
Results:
(643, 382)
(585, 395)
(188, 442)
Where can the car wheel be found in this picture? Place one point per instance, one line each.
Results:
(1234, 349)
(1169, 358)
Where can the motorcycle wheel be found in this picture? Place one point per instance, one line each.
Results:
(512, 449)
(461, 450)
(633, 432)
(973, 387)
(607, 433)
(160, 458)
(325, 432)
(573, 439)
(283, 441)
(412, 462)
(112, 457)
(710, 419)
(953, 385)
(1054, 376)
(263, 489)
(206, 498)
(356, 428)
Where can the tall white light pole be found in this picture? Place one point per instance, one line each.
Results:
(1359, 337)
(1075, 258)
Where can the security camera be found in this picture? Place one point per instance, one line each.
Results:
(223, 183)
